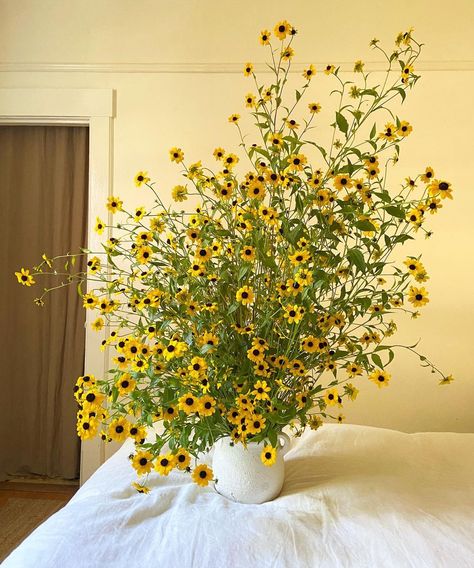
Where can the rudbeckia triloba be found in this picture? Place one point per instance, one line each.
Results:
(176, 155)
(309, 73)
(297, 161)
(329, 69)
(418, 296)
(142, 462)
(255, 424)
(248, 69)
(218, 153)
(174, 349)
(89, 301)
(293, 313)
(234, 118)
(380, 378)
(331, 397)
(302, 399)
(179, 193)
(287, 53)
(114, 204)
(389, 133)
(188, 403)
(353, 369)
(245, 295)
(207, 405)
(299, 257)
(405, 128)
(265, 37)
(248, 253)
(310, 344)
(314, 108)
(428, 176)
(282, 29)
(119, 429)
(165, 463)
(182, 459)
(202, 475)
(292, 124)
(442, 189)
(140, 178)
(261, 390)
(342, 181)
(99, 226)
(125, 384)
(268, 455)
(276, 140)
(250, 100)
(24, 277)
(140, 488)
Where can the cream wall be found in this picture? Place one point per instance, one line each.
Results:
(175, 67)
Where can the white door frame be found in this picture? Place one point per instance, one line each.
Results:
(93, 108)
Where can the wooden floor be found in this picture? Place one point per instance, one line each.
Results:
(24, 506)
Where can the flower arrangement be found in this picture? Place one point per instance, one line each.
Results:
(264, 306)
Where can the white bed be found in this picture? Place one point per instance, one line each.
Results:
(354, 496)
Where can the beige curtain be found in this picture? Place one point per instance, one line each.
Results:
(43, 186)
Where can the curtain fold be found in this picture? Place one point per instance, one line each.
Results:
(43, 188)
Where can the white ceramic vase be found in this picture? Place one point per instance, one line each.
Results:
(241, 475)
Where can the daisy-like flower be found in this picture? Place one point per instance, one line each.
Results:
(24, 277)
(342, 181)
(292, 124)
(359, 66)
(119, 429)
(141, 178)
(188, 403)
(202, 475)
(248, 69)
(293, 313)
(446, 380)
(179, 193)
(314, 108)
(287, 53)
(268, 455)
(297, 162)
(245, 295)
(207, 405)
(248, 253)
(439, 188)
(265, 37)
(140, 488)
(165, 463)
(250, 100)
(418, 296)
(182, 458)
(329, 69)
(99, 226)
(234, 118)
(299, 257)
(276, 140)
(309, 72)
(142, 462)
(380, 378)
(176, 155)
(428, 175)
(353, 369)
(114, 204)
(97, 324)
(404, 129)
(218, 153)
(282, 29)
(389, 134)
(261, 390)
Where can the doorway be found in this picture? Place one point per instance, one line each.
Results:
(44, 174)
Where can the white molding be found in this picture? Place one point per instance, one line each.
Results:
(211, 67)
(93, 108)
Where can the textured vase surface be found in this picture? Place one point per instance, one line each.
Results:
(241, 475)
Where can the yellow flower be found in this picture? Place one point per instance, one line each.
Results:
(265, 37)
(315, 422)
(119, 429)
(293, 313)
(380, 378)
(99, 226)
(165, 463)
(250, 100)
(234, 118)
(218, 153)
(276, 140)
(140, 488)
(125, 384)
(309, 73)
(314, 108)
(114, 204)
(268, 455)
(142, 462)
(331, 397)
(260, 390)
(207, 405)
(358, 66)
(282, 29)
(248, 253)
(248, 69)
(342, 181)
(353, 369)
(176, 155)
(245, 295)
(446, 380)
(405, 128)
(97, 324)
(418, 296)
(174, 349)
(179, 193)
(24, 277)
(389, 133)
(329, 69)
(428, 176)
(442, 189)
(188, 403)
(299, 257)
(202, 475)
(143, 254)
(140, 178)
(287, 53)
(255, 424)
(87, 428)
(182, 458)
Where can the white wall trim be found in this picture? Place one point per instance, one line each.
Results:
(211, 67)
(93, 108)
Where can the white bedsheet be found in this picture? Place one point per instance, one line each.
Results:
(354, 496)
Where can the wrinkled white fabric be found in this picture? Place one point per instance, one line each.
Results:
(354, 496)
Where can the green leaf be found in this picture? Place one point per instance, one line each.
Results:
(357, 258)
(364, 225)
(342, 122)
(377, 360)
(233, 308)
(373, 132)
(395, 211)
